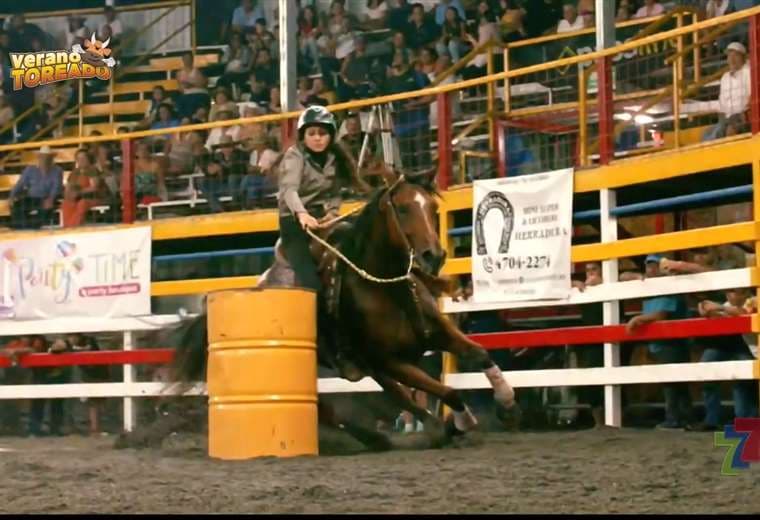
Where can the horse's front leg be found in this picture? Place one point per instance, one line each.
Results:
(415, 377)
(452, 340)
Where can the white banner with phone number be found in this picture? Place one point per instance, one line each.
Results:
(521, 237)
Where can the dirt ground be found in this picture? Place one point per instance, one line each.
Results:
(603, 471)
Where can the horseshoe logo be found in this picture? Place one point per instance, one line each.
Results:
(494, 200)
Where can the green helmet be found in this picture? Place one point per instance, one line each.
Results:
(317, 115)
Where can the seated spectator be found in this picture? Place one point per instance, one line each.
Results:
(376, 15)
(193, 87)
(453, 34)
(90, 374)
(355, 73)
(185, 155)
(734, 96)
(650, 8)
(513, 22)
(246, 15)
(77, 31)
(105, 165)
(21, 34)
(6, 116)
(419, 31)
(260, 179)
(427, 62)
(309, 31)
(275, 103)
(48, 376)
(266, 69)
(715, 8)
(250, 132)
(726, 348)
(150, 186)
(157, 98)
(201, 115)
(570, 20)
(223, 102)
(215, 135)
(114, 23)
(237, 59)
(262, 39)
(733, 99)
(166, 118)
(85, 189)
(677, 399)
(623, 11)
(398, 17)
(338, 28)
(33, 197)
(411, 118)
(354, 138)
(398, 44)
(488, 30)
(224, 172)
(441, 11)
(321, 93)
(255, 90)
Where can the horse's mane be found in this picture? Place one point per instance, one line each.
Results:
(355, 244)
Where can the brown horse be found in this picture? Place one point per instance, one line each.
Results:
(389, 324)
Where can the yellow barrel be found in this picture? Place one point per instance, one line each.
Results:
(262, 373)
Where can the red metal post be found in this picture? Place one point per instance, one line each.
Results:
(288, 133)
(754, 71)
(444, 140)
(606, 108)
(501, 148)
(128, 181)
(659, 224)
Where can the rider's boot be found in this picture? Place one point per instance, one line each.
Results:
(340, 358)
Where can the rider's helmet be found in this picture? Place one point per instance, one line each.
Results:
(317, 115)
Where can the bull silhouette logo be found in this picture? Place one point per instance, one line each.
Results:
(494, 200)
(95, 52)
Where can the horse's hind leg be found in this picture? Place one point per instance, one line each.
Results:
(402, 397)
(413, 376)
(374, 440)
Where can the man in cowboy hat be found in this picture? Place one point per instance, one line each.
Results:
(34, 195)
(733, 101)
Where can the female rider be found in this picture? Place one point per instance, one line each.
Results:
(312, 174)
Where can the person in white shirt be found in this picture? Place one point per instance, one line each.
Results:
(77, 31)
(716, 8)
(570, 20)
(116, 28)
(733, 100)
(650, 8)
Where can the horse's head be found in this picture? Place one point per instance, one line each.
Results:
(410, 209)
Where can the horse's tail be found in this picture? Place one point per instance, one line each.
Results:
(190, 358)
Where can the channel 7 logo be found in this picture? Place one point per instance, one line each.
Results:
(743, 442)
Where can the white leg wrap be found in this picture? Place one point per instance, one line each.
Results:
(502, 391)
(465, 421)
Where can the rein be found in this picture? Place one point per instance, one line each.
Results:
(419, 322)
(361, 272)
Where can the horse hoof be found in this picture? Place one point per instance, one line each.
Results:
(509, 417)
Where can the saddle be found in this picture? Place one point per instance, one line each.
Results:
(281, 274)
